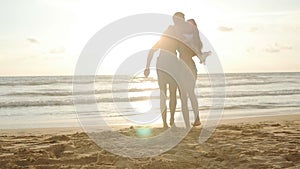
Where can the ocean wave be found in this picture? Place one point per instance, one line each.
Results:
(70, 93)
(90, 100)
(262, 106)
(116, 92)
(263, 93)
(232, 84)
(201, 83)
(35, 81)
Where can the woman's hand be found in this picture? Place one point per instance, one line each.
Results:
(204, 56)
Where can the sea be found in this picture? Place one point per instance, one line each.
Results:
(49, 101)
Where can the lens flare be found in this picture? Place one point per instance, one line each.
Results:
(143, 132)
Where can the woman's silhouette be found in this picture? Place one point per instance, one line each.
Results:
(188, 71)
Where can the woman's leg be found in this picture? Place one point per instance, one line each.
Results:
(194, 103)
(195, 106)
(184, 107)
(183, 86)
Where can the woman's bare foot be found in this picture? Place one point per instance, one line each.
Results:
(172, 122)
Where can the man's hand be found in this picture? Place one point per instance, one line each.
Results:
(146, 72)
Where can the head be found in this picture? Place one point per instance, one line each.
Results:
(178, 17)
(192, 21)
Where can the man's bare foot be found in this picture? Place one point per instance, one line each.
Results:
(165, 126)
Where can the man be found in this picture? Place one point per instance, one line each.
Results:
(167, 67)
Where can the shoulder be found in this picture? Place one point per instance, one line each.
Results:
(170, 30)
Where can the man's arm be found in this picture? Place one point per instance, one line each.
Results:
(149, 59)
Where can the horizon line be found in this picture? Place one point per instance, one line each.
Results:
(125, 75)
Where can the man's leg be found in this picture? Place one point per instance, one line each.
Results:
(163, 97)
(173, 101)
(163, 106)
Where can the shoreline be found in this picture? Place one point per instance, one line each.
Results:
(70, 130)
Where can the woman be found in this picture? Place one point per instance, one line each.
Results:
(188, 71)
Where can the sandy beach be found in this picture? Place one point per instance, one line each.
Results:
(149, 84)
(264, 142)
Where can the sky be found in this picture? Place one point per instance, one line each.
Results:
(46, 37)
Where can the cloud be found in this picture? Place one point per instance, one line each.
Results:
(58, 50)
(253, 29)
(286, 47)
(225, 29)
(275, 48)
(250, 49)
(32, 40)
(272, 50)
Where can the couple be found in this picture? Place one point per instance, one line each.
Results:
(182, 37)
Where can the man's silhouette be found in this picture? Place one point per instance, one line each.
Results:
(167, 67)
